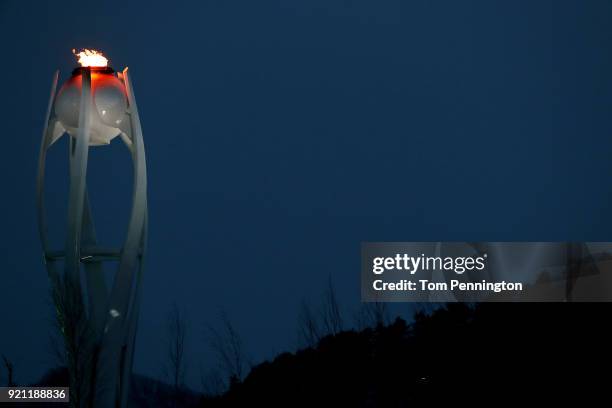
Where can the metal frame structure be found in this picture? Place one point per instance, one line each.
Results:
(111, 314)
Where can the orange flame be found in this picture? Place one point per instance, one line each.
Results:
(90, 58)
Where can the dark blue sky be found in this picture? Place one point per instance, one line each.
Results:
(280, 135)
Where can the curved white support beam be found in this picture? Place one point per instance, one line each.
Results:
(40, 182)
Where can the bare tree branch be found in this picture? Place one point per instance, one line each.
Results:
(371, 315)
(177, 335)
(211, 382)
(331, 318)
(10, 371)
(309, 332)
(227, 344)
(72, 325)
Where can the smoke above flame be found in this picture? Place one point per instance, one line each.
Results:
(90, 58)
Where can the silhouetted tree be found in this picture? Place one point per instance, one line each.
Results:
(371, 315)
(211, 382)
(177, 335)
(72, 325)
(315, 323)
(227, 344)
(10, 371)
(309, 332)
(331, 318)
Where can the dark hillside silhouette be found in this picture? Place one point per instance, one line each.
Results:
(483, 354)
(486, 354)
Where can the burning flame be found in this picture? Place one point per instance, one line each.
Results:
(90, 58)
